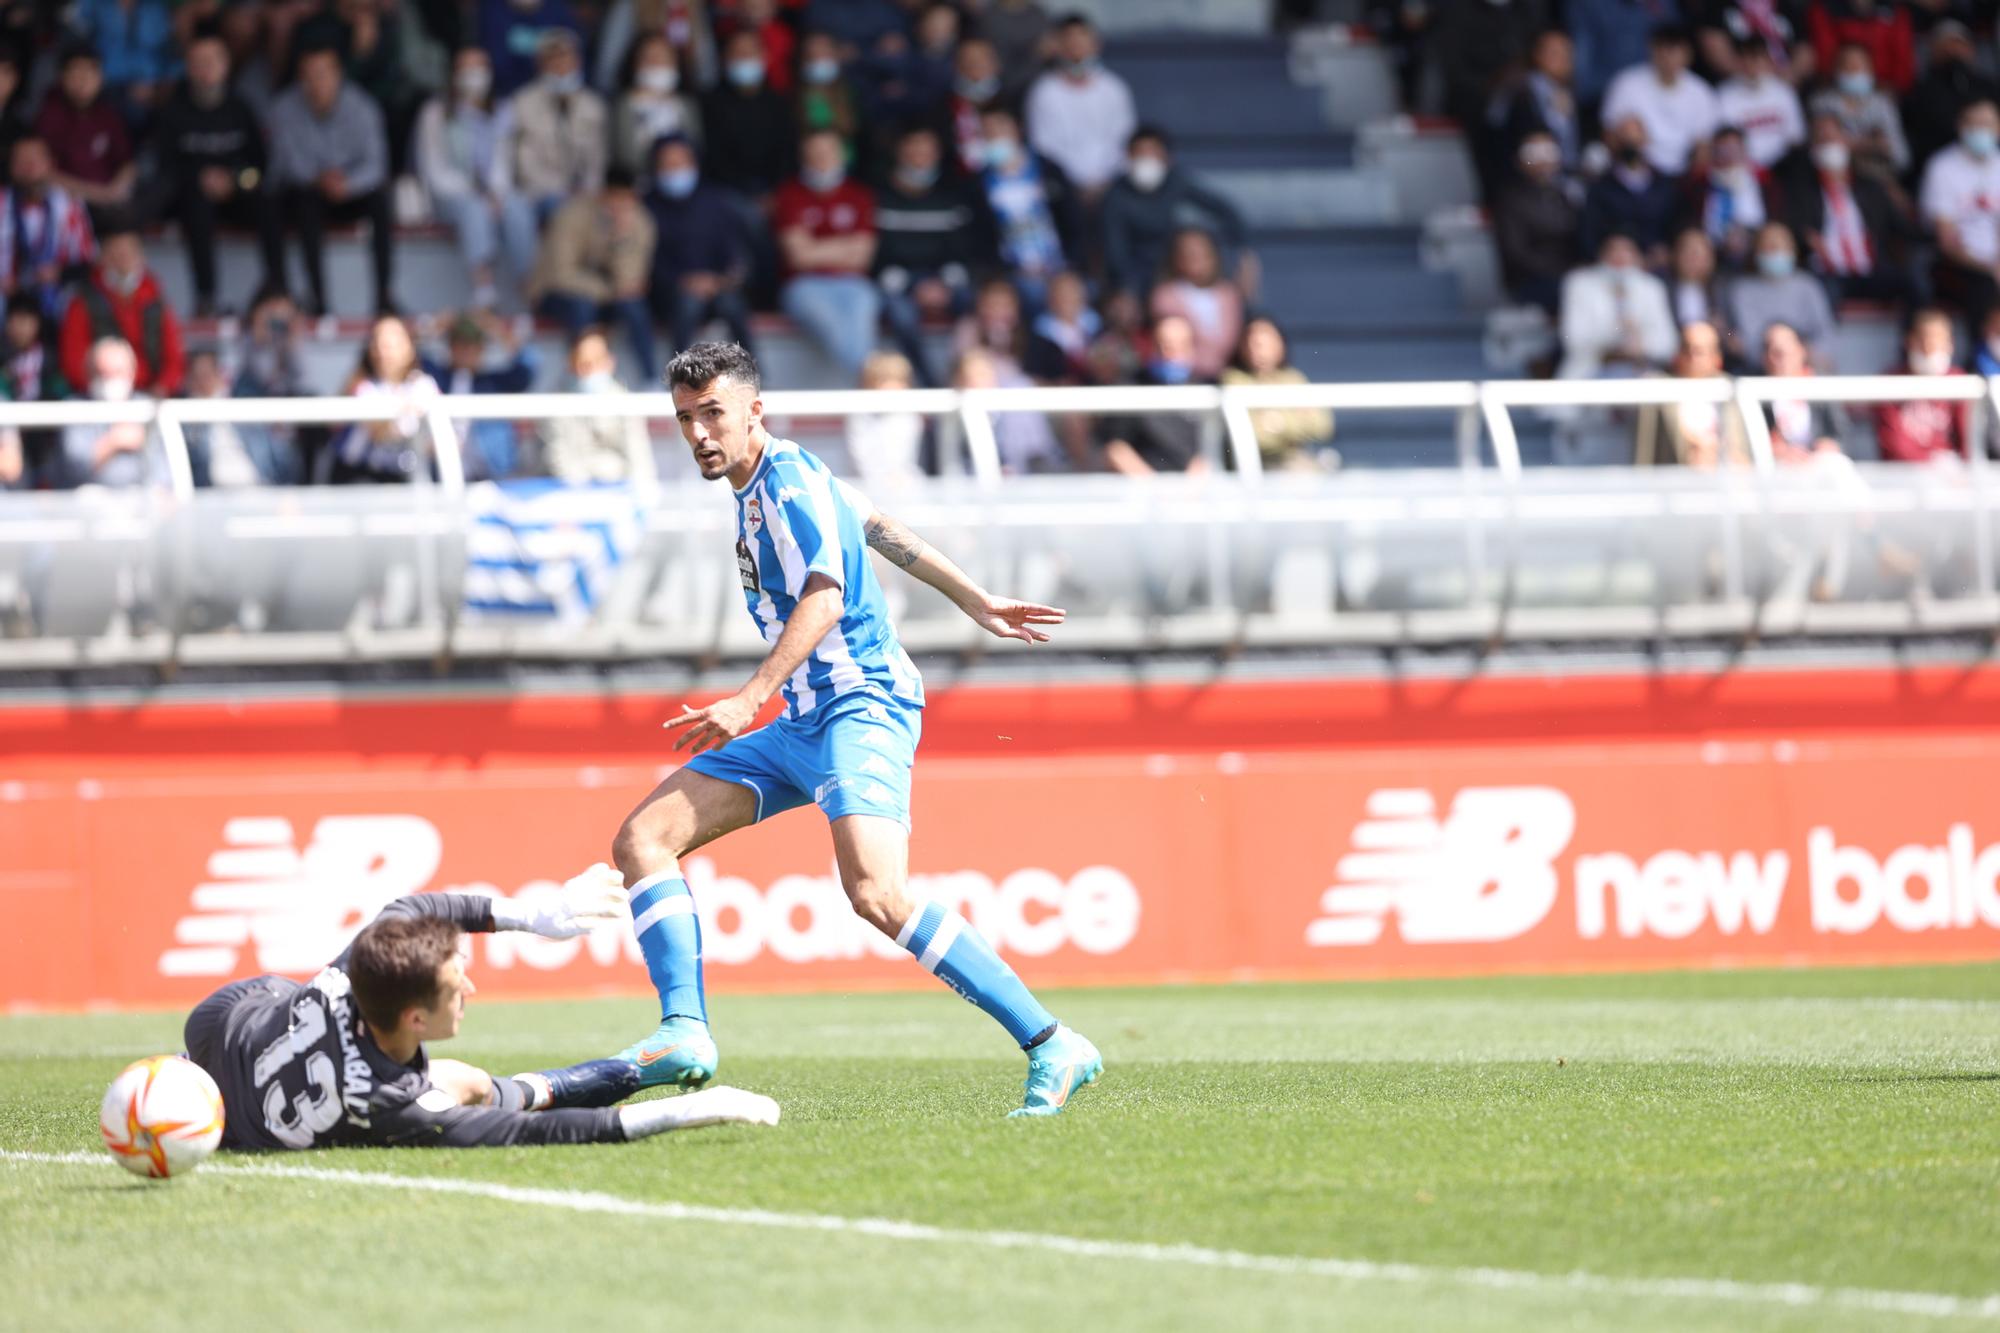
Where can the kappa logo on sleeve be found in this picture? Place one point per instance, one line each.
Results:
(295, 909)
(1486, 872)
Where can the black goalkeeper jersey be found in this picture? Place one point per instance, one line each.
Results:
(299, 1069)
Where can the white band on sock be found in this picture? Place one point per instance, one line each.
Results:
(653, 881)
(680, 904)
(947, 935)
(910, 926)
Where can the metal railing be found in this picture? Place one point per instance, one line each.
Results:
(1486, 552)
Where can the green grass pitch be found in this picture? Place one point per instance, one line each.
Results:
(1754, 1150)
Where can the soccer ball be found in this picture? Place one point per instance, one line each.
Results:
(161, 1117)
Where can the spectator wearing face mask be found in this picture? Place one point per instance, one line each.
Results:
(1615, 317)
(683, 24)
(461, 158)
(995, 325)
(1920, 432)
(514, 33)
(1775, 292)
(1150, 202)
(1729, 199)
(121, 300)
(1873, 127)
(700, 258)
(825, 224)
(1762, 105)
(932, 233)
(121, 455)
(824, 100)
(780, 44)
(582, 449)
(1080, 115)
(752, 146)
(1951, 83)
(1149, 442)
(556, 140)
(1856, 239)
(1543, 101)
(1676, 106)
(975, 86)
(1193, 286)
(1035, 209)
(1630, 196)
(1880, 26)
(1535, 225)
(652, 105)
(1961, 201)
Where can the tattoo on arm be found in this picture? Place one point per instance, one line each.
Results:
(901, 547)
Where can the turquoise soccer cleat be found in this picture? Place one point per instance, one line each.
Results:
(680, 1052)
(1057, 1068)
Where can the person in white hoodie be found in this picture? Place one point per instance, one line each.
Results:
(1080, 114)
(1677, 108)
(1616, 320)
(1762, 105)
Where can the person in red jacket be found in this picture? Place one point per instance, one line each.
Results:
(120, 299)
(1880, 26)
(1918, 432)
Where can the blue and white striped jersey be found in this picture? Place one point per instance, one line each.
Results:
(796, 518)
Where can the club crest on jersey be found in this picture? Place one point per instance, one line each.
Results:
(753, 514)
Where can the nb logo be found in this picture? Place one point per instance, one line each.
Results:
(1486, 872)
(297, 909)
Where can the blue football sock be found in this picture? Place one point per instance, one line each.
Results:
(945, 943)
(669, 932)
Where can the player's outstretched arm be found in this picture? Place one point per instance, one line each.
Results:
(1001, 616)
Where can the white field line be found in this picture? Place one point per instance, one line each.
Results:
(1717, 1290)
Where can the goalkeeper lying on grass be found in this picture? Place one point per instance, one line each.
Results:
(340, 1061)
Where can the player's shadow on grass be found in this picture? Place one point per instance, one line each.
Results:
(1983, 1076)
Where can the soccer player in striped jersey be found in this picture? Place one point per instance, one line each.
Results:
(846, 740)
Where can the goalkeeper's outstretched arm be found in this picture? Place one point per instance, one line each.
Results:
(1001, 616)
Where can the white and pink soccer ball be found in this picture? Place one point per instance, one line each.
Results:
(162, 1117)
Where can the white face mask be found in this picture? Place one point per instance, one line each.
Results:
(1148, 173)
(473, 81)
(1930, 363)
(117, 390)
(1830, 156)
(597, 381)
(658, 79)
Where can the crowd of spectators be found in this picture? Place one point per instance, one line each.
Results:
(1677, 183)
(965, 182)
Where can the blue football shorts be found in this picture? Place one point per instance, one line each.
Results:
(851, 756)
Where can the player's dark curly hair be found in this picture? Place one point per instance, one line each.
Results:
(704, 363)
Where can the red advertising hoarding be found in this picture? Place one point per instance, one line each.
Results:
(152, 852)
